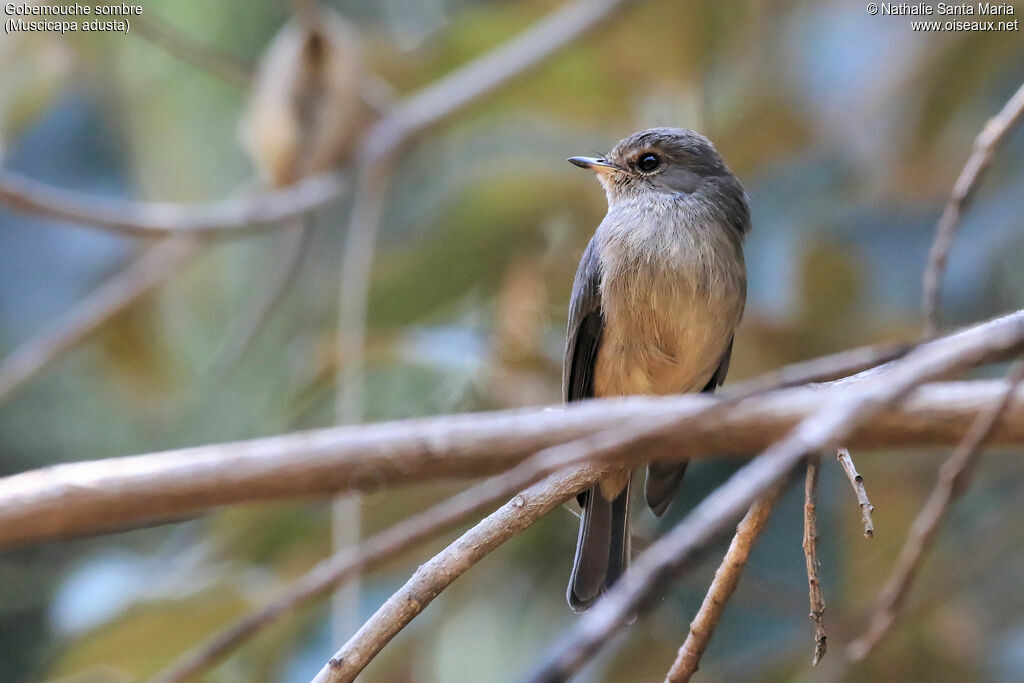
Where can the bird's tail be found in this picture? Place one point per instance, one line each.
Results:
(663, 480)
(602, 550)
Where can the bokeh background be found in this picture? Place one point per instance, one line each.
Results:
(848, 131)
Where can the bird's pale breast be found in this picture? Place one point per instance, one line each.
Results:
(672, 293)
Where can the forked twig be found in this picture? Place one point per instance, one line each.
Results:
(952, 481)
(991, 135)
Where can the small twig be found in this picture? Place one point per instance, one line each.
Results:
(857, 482)
(811, 556)
(992, 134)
(434, 576)
(88, 316)
(822, 369)
(722, 587)
(952, 481)
(222, 218)
(829, 425)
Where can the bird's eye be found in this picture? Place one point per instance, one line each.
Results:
(648, 163)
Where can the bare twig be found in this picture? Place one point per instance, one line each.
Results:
(227, 217)
(857, 482)
(145, 273)
(811, 557)
(822, 369)
(832, 423)
(722, 587)
(434, 576)
(952, 481)
(995, 130)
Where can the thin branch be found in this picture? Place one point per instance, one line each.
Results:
(722, 587)
(837, 418)
(434, 576)
(484, 75)
(227, 217)
(995, 130)
(190, 49)
(811, 557)
(114, 296)
(288, 255)
(342, 566)
(857, 482)
(952, 480)
(822, 369)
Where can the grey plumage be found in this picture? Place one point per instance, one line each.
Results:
(657, 297)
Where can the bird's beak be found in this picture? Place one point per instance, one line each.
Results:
(595, 165)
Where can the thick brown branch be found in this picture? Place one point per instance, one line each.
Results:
(811, 557)
(992, 134)
(722, 587)
(857, 482)
(832, 423)
(88, 316)
(75, 499)
(951, 482)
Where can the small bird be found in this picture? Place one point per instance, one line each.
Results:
(656, 300)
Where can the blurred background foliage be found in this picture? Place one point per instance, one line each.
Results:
(848, 131)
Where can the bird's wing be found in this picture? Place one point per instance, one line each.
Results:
(718, 379)
(586, 324)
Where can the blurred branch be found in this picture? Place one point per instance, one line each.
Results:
(837, 418)
(482, 76)
(985, 144)
(190, 49)
(114, 296)
(722, 587)
(158, 219)
(287, 259)
(811, 557)
(952, 480)
(857, 482)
